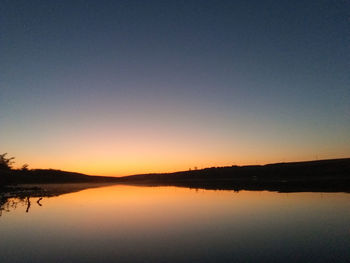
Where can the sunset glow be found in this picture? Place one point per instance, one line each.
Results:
(118, 89)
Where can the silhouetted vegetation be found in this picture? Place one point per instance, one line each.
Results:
(5, 163)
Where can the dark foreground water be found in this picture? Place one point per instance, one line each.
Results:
(170, 224)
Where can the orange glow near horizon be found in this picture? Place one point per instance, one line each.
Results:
(108, 150)
(148, 163)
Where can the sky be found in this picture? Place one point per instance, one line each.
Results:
(126, 87)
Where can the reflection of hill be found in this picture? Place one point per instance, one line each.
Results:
(320, 176)
(24, 195)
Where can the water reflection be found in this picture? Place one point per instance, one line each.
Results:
(172, 224)
(8, 204)
(23, 196)
(13, 197)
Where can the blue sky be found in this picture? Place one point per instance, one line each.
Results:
(120, 87)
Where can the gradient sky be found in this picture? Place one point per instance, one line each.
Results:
(125, 87)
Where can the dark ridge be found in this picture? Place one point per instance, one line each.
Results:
(47, 176)
(322, 168)
(320, 176)
(315, 176)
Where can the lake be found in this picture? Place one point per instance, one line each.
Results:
(122, 223)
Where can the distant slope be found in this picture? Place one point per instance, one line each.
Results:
(48, 176)
(322, 168)
(324, 175)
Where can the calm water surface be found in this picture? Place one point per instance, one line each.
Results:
(170, 224)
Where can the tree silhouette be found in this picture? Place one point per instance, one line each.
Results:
(6, 163)
(25, 167)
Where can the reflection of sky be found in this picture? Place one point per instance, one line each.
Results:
(120, 88)
(162, 224)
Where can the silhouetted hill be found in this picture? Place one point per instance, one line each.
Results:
(46, 176)
(324, 175)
